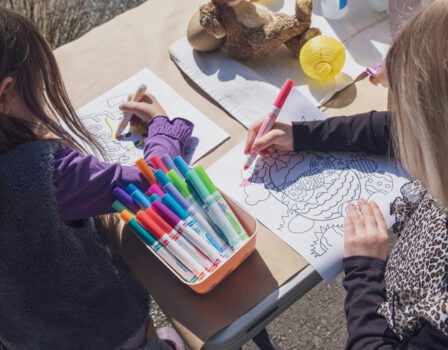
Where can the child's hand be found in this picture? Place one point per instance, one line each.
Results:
(146, 109)
(279, 138)
(365, 233)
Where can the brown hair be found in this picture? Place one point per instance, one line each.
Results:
(27, 58)
(417, 68)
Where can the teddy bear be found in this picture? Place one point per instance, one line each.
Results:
(244, 29)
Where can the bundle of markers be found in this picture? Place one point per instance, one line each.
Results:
(182, 217)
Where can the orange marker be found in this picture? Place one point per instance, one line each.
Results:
(146, 171)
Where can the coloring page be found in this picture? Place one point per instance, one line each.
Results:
(102, 116)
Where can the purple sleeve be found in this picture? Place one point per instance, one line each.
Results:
(84, 184)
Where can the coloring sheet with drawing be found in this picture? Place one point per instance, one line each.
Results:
(102, 116)
(302, 197)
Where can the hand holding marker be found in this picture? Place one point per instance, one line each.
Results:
(270, 118)
(127, 116)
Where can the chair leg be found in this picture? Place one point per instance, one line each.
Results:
(264, 341)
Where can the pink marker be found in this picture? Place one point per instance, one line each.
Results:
(186, 230)
(269, 120)
(178, 236)
(156, 189)
(158, 163)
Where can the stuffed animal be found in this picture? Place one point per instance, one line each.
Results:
(244, 29)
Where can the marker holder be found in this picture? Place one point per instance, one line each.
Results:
(214, 278)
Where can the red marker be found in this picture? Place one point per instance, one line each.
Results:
(269, 120)
(158, 163)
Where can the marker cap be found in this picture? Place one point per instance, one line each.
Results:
(131, 188)
(171, 190)
(161, 177)
(179, 183)
(125, 198)
(155, 197)
(174, 206)
(165, 213)
(146, 171)
(142, 199)
(159, 220)
(181, 165)
(157, 163)
(199, 186)
(126, 216)
(284, 92)
(155, 189)
(148, 222)
(118, 206)
(166, 159)
(206, 180)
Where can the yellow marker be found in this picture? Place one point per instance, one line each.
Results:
(127, 116)
(322, 57)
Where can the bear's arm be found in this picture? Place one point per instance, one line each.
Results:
(209, 18)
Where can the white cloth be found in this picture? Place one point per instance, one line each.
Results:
(248, 89)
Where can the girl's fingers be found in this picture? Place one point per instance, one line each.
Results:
(367, 214)
(251, 134)
(265, 141)
(379, 217)
(355, 217)
(349, 228)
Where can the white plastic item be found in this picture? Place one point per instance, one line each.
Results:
(334, 9)
(379, 5)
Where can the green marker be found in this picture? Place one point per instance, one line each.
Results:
(219, 212)
(120, 207)
(157, 247)
(217, 196)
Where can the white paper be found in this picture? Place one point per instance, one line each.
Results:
(102, 116)
(302, 197)
(247, 89)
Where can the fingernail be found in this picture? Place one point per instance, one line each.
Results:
(255, 150)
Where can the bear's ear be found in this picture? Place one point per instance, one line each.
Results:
(210, 20)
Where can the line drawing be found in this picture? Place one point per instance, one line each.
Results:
(315, 189)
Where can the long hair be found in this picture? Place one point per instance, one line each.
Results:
(417, 68)
(27, 58)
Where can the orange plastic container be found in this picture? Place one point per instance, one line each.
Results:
(214, 278)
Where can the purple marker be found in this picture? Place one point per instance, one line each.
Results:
(156, 189)
(172, 190)
(166, 159)
(189, 239)
(126, 199)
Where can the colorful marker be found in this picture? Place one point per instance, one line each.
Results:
(193, 232)
(168, 221)
(158, 164)
(155, 189)
(157, 247)
(219, 212)
(147, 221)
(166, 159)
(131, 188)
(120, 207)
(125, 198)
(141, 199)
(201, 221)
(269, 120)
(161, 177)
(181, 165)
(128, 115)
(217, 196)
(146, 171)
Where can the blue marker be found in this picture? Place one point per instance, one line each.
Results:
(166, 159)
(161, 177)
(181, 165)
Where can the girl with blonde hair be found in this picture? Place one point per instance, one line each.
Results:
(396, 301)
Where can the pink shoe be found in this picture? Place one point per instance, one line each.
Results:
(169, 335)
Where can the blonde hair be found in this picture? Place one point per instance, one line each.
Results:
(417, 68)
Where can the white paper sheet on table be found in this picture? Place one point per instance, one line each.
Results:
(102, 116)
(247, 89)
(302, 197)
